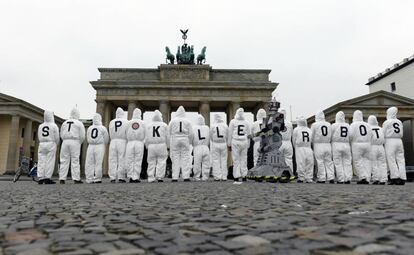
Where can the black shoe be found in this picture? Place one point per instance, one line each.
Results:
(216, 180)
(113, 181)
(41, 181)
(49, 181)
(78, 182)
(244, 179)
(131, 181)
(236, 179)
(320, 182)
(382, 183)
(187, 180)
(98, 182)
(160, 181)
(332, 181)
(299, 181)
(401, 182)
(340, 183)
(363, 181)
(347, 182)
(393, 182)
(62, 181)
(174, 180)
(375, 183)
(121, 181)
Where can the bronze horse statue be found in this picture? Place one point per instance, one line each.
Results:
(170, 57)
(201, 58)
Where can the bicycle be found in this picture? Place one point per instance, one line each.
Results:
(24, 168)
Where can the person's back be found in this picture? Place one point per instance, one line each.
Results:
(117, 146)
(321, 139)
(341, 150)
(360, 137)
(48, 136)
(201, 151)
(218, 147)
(378, 160)
(156, 138)
(135, 133)
(302, 140)
(72, 133)
(394, 148)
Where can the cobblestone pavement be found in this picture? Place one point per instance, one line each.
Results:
(211, 217)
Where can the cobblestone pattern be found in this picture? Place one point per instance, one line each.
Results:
(209, 218)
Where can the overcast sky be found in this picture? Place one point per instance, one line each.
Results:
(320, 51)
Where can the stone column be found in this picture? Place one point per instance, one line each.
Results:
(100, 107)
(12, 155)
(131, 106)
(231, 110)
(205, 111)
(84, 147)
(27, 140)
(105, 120)
(165, 110)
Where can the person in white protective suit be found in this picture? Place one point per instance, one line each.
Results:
(48, 135)
(302, 140)
(394, 148)
(256, 128)
(360, 137)
(218, 147)
(117, 146)
(201, 151)
(156, 138)
(97, 137)
(238, 140)
(72, 133)
(378, 160)
(286, 148)
(180, 131)
(341, 150)
(321, 139)
(135, 147)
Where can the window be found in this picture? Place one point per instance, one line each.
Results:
(393, 87)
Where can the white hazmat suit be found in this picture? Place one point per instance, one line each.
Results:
(238, 132)
(201, 151)
(321, 139)
(181, 136)
(302, 139)
(256, 128)
(97, 137)
(394, 148)
(135, 132)
(286, 148)
(341, 150)
(117, 146)
(72, 133)
(48, 135)
(378, 160)
(156, 142)
(218, 146)
(360, 137)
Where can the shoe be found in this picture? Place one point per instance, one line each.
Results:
(393, 182)
(113, 181)
(62, 181)
(347, 182)
(187, 180)
(131, 181)
(98, 182)
(299, 181)
(237, 179)
(375, 183)
(216, 180)
(320, 182)
(121, 181)
(78, 182)
(160, 181)
(49, 181)
(174, 180)
(41, 181)
(382, 183)
(339, 182)
(332, 181)
(401, 182)
(244, 179)
(363, 181)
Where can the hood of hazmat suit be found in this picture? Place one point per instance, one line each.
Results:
(200, 120)
(97, 119)
(218, 118)
(157, 116)
(302, 122)
(357, 116)
(74, 114)
(49, 117)
(180, 112)
(320, 116)
(340, 117)
(392, 113)
(239, 114)
(120, 114)
(261, 114)
(136, 115)
(372, 121)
